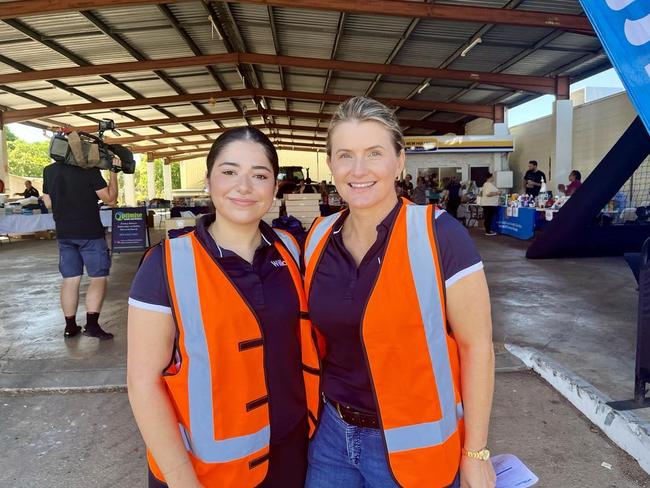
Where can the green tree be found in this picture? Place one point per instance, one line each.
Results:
(27, 158)
(10, 135)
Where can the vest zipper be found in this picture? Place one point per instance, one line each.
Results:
(365, 352)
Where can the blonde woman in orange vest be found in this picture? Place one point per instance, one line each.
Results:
(399, 294)
(221, 364)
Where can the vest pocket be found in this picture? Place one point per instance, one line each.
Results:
(250, 344)
(257, 403)
(257, 461)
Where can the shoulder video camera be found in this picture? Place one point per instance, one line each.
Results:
(90, 151)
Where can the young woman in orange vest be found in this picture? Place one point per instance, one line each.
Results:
(399, 294)
(217, 332)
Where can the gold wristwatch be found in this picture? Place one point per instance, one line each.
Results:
(482, 455)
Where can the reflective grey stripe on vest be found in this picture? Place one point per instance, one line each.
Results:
(318, 233)
(290, 245)
(425, 277)
(200, 437)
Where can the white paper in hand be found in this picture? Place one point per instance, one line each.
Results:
(512, 473)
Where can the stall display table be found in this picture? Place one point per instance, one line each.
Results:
(515, 222)
(522, 222)
(27, 224)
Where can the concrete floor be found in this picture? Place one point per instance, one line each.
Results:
(90, 440)
(581, 313)
(32, 350)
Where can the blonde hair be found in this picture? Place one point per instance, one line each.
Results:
(363, 109)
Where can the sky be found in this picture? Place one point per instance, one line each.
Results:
(540, 107)
(543, 106)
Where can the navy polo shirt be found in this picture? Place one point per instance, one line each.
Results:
(340, 291)
(268, 288)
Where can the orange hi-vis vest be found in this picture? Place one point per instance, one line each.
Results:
(218, 384)
(411, 356)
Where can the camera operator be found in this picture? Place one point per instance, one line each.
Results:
(72, 193)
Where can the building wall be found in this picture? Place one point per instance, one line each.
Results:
(193, 170)
(596, 127)
(533, 141)
(414, 162)
(17, 183)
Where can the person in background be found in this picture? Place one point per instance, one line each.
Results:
(533, 179)
(307, 186)
(399, 188)
(490, 202)
(407, 184)
(324, 194)
(575, 182)
(408, 367)
(72, 193)
(2, 186)
(30, 191)
(219, 350)
(420, 192)
(453, 197)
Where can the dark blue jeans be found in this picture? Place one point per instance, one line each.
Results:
(74, 254)
(345, 456)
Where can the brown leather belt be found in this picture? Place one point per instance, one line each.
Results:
(353, 417)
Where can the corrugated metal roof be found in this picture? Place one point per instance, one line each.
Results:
(575, 41)
(37, 56)
(541, 62)
(198, 83)
(159, 44)
(484, 58)
(425, 52)
(555, 6)
(515, 35)
(96, 49)
(439, 29)
(133, 17)
(300, 32)
(59, 24)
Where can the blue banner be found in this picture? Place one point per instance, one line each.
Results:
(623, 27)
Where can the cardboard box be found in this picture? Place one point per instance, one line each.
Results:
(302, 203)
(179, 223)
(302, 196)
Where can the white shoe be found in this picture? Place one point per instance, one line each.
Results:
(490, 233)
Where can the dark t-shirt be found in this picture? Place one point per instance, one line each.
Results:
(337, 280)
(74, 200)
(535, 176)
(454, 191)
(31, 192)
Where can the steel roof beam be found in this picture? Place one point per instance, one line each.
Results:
(172, 154)
(216, 130)
(437, 126)
(456, 13)
(537, 84)
(36, 113)
(157, 147)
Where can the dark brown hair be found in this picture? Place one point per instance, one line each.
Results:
(245, 133)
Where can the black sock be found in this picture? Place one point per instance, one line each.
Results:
(92, 320)
(71, 322)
